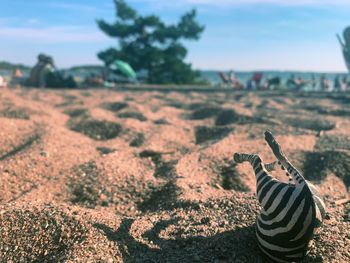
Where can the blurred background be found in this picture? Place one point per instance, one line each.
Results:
(283, 39)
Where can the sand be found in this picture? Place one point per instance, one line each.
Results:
(130, 176)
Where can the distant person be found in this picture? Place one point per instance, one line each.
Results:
(300, 83)
(232, 76)
(257, 77)
(17, 77)
(17, 73)
(251, 84)
(235, 83)
(291, 82)
(94, 80)
(296, 83)
(272, 83)
(344, 84)
(322, 82)
(325, 83)
(34, 75)
(45, 75)
(313, 82)
(265, 85)
(337, 84)
(254, 82)
(47, 68)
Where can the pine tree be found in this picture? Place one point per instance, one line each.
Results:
(147, 43)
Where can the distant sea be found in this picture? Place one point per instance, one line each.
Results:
(243, 76)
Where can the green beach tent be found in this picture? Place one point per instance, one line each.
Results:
(123, 67)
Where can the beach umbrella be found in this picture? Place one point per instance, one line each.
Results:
(123, 67)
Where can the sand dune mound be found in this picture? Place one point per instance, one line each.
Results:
(38, 234)
(138, 140)
(115, 106)
(95, 186)
(132, 115)
(68, 100)
(327, 111)
(205, 133)
(333, 142)
(319, 164)
(228, 116)
(95, 129)
(204, 112)
(161, 122)
(87, 187)
(231, 178)
(76, 112)
(25, 144)
(315, 124)
(15, 113)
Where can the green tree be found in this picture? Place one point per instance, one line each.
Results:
(147, 43)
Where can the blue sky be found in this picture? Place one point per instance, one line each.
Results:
(239, 34)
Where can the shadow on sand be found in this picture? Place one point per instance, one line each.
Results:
(231, 246)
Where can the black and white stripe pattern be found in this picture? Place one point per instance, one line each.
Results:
(290, 212)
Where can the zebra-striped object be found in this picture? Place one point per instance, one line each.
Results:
(290, 212)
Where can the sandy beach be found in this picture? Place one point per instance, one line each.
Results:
(148, 176)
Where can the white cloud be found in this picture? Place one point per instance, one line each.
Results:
(54, 35)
